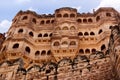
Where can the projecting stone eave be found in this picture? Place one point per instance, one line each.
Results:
(34, 14)
(104, 9)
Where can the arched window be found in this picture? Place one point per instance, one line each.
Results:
(50, 35)
(86, 34)
(87, 51)
(64, 43)
(43, 53)
(45, 35)
(65, 15)
(79, 20)
(90, 20)
(72, 15)
(103, 47)
(80, 34)
(48, 22)
(42, 22)
(40, 35)
(59, 15)
(97, 18)
(16, 45)
(49, 52)
(93, 50)
(65, 28)
(92, 33)
(31, 34)
(37, 53)
(52, 21)
(34, 20)
(85, 20)
(20, 30)
(72, 28)
(72, 43)
(27, 49)
(100, 31)
(58, 28)
(108, 14)
(81, 51)
(56, 43)
(24, 18)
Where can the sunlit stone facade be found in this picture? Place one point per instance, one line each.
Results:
(66, 45)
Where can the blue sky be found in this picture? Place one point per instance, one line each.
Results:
(9, 8)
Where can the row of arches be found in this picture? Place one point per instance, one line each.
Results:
(86, 34)
(46, 22)
(39, 35)
(57, 43)
(66, 28)
(65, 15)
(42, 53)
(58, 28)
(28, 50)
(26, 17)
(82, 51)
(35, 21)
(16, 45)
(85, 20)
(90, 33)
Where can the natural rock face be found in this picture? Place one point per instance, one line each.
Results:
(66, 45)
(2, 38)
(114, 49)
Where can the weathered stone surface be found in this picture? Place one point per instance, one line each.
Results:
(66, 45)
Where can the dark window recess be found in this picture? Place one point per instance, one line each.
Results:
(79, 20)
(16, 45)
(48, 71)
(27, 49)
(56, 44)
(87, 51)
(103, 47)
(42, 22)
(90, 20)
(34, 20)
(65, 15)
(43, 52)
(80, 34)
(97, 18)
(24, 18)
(50, 35)
(20, 31)
(93, 50)
(72, 43)
(45, 35)
(37, 53)
(48, 22)
(86, 34)
(100, 31)
(52, 21)
(49, 52)
(31, 34)
(59, 15)
(85, 20)
(40, 35)
(92, 33)
(72, 15)
(108, 14)
(81, 51)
